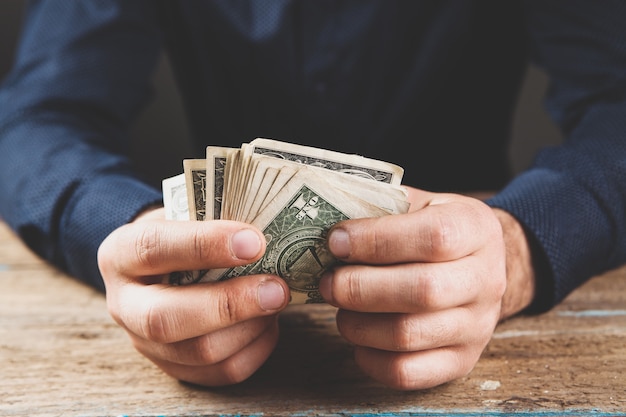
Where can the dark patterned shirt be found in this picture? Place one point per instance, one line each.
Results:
(428, 85)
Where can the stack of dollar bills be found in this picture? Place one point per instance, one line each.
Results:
(293, 193)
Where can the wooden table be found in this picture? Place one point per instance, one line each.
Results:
(62, 355)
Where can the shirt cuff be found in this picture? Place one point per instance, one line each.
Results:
(569, 233)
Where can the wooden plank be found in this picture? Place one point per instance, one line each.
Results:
(62, 354)
(12, 253)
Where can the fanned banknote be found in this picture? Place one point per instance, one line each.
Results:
(175, 198)
(350, 164)
(295, 225)
(195, 179)
(294, 194)
(215, 166)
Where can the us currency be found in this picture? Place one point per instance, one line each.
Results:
(195, 180)
(350, 164)
(295, 225)
(184, 198)
(264, 169)
(214, 178)
(175, 198)
(272, 184)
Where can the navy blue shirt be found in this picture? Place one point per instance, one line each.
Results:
(428, 85)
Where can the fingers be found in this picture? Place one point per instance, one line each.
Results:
(168, 314)
(212, 333)
(419, 294)
(158, 247)
(416, 370)
(411, 288)
(417, 351)
(437, 232)
(231, 370)
(207, 349)
(415, 332)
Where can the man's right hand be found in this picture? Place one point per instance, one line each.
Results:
(211, 334)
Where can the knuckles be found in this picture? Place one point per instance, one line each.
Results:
(405, 333)
(146, 245)
(157, 324)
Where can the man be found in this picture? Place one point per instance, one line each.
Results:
(428, 85)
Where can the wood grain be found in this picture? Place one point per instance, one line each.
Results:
(62, 355)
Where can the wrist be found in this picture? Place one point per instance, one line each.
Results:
(520, 274)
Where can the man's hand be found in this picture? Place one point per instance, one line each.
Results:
(210, 333)
(421, 293)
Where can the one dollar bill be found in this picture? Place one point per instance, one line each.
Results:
(294, 194)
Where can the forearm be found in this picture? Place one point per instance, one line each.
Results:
(69, 198)
(67, 107)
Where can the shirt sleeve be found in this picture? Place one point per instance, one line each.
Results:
(572, 200)
(82, 73)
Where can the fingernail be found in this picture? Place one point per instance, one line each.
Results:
(326, 287)
(245, 244)
(271, 295)
(339, 243)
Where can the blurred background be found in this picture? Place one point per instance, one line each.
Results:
(162, 124)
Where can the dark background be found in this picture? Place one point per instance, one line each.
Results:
(162, 125)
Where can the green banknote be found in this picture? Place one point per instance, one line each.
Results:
(296, 245)
(295, 225)
(294, 194)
